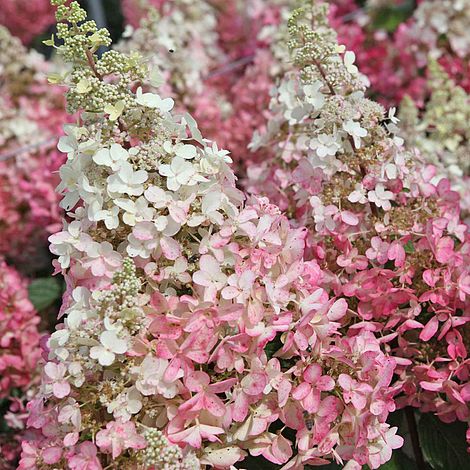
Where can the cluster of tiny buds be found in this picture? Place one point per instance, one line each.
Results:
(126, 286)
(102, 93)
(78, 37)
(73, 13)
(160, 453)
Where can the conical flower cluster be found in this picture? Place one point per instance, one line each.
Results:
(195, 330)
(387, 231)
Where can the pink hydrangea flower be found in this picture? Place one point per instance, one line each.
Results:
(85, 458)
(118, 437)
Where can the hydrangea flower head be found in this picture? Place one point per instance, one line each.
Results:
(194, 319)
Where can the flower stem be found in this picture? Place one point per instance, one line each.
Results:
(413, 429)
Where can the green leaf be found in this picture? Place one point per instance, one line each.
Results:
(444, 445)
(389, 17)
(273, 346)
(399, 461)
(409, 247)
(49, 42)
(44, 292)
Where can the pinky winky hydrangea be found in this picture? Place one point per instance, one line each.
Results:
(440, 131)
(29, 116)
(195, 332)
(19, 355)
(387, 233)
(180, 42)
(26, 18)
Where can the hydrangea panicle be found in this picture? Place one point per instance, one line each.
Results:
(30, 117)
(19, 355)
(192, 319)
(389, 236)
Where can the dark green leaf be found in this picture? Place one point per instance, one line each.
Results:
(444, 445)
(44, 292)
(399, 461)
(409, 247)
(273, 346)
(390, 16)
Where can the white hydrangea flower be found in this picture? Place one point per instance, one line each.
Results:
(214, 159)
(70, 174)
(188, 120)
(143, 240)
(80, 310)
(286, 93)
(126, 404)
(101, 259)
(64, 243)
(186, 151)
(325, 145)
(127, 181)
(152, 100)
(391, 115)
(322, 215)
(178, 271)
(76, 373)
(68, 143)
(111, 345)
(57, 344)
(88, 192)
(358, 195)
(109, 216)
(313, 95)
(157, 196)
(355, 130)
(151, 378)
(390, 170)
(239, 286)
(135, 211)
(215, 203)
(179, 173)
(210, 276)
(211, 202)
(381, 197)
(349, 59)
(112, 157)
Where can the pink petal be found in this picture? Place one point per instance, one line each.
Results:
(240, 407)
(281, 449)
(349, 218)
(444, 249)
(61, 389)
(345, 381)
(197, 380)
(429, 330)
(301, 391)
(338, 310)
(170, 248)
(254, 383)
(283, 391)
(431, 386)
(325, 383)
(312, 373)
(52, 455)
(214, 405)
(312, 401)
